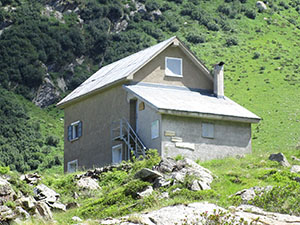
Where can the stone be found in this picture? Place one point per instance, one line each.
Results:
(88, 183)
(156, 14)
(166, 165)
(148, 191)
(76, 219)
(121, 26)
(261, 5)
(195, 186)
(33, 178)
(47, 93)
(295, 169)
(280, 157)
(146, 174)
(178, 176)
(28, 202)
(42, 192)
(140, 7)
(22, 213)
(44, 210)
(57, 206)
(7, 214)
(6, 189)
(249, 194)
(164, 195)
(161, 182)
(185, 145)
(295, 158)
(72, 205)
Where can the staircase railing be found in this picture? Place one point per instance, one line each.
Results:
(122, 131)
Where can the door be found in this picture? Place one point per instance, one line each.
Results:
(133, 114)
(117, 154)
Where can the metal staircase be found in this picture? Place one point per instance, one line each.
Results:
(121, 131)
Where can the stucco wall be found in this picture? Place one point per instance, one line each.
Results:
(154, 71)
(230, 138)
(97, 112)
(144, 119)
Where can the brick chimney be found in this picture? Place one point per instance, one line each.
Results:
(219, 80)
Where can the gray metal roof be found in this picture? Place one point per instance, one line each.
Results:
(116, 71)
(187, 102)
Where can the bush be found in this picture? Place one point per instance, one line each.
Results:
(212, 26)
(151, 5)
(4, 169)
(250, 13)
(256, 55)
(231, 41)
(52, 140)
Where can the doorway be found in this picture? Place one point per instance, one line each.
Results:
(133, 114)
(117, 154)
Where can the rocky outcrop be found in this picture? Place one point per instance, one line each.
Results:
(261, 6)
(249, 194)
(32, 178)
(47, 94)
(6, 191)
(280, 157)
(88, 183)
(199, 213)
(295, 169)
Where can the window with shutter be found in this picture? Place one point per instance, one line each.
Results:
(75, 131)
(155, 129)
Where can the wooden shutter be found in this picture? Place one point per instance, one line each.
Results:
(70, 133)
(79, 129)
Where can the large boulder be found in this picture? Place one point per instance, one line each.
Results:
(146, 174)
(42, 192)
(295, 169)
(261, 6)
(249, 194)
(166, 165)
(32, 178)
(6, 214)
(6, 191)
(280, 157)
(44, 211)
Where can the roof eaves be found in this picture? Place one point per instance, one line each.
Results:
(208, 116)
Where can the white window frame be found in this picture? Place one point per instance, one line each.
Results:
(208, 130)
(168, 72)
(69, 166)
(155, 133)
(75, 125)
(116, 147)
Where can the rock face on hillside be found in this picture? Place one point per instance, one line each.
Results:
(199, 213)
(280, 157)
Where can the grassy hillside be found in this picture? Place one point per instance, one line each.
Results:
(260, 49)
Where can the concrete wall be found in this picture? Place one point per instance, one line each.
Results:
(154, 71)
(230, 138)
(97, 112)
(144, 119)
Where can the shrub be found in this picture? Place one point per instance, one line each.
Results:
(4, 169)
(135, 186)
(151, 5)
(195, 38)
(231, 41)
(52, 140)
(212, 26)
(250, 13)
(256, 55)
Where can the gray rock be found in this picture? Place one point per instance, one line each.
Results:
(161, 182)
(22, 213)
(33, 178)
(157, 14)
(295, 169)
(166, 165)
(140, 7)
(195, 186)
(7, 214)
(295, 158)
(121, 26)
(72, 205)
(27, 202)
(6, 191)
(178, 176)
(280, 157)
(42, 192)
(249, 194)
(147, 174)
(88, 183)
(261, 5)
(57, 206)
(44, 211)
(76, 219)
(47, 94)
(146, 192)
(164, 195)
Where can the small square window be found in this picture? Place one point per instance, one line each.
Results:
(173, 67)
(72, 166)
(155, 129)
(208, 130)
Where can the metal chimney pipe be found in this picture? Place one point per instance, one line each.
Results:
(219, 80)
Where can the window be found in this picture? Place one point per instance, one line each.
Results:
(75, 131)
(117, 154)
(173, 67)
(72, 166)
(208, 130)
(155, 129)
